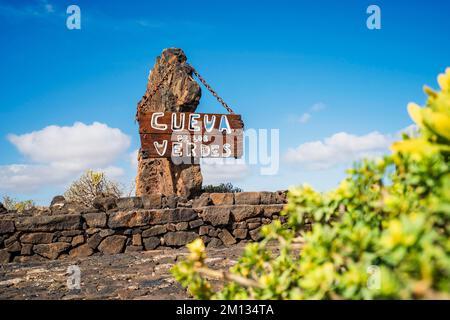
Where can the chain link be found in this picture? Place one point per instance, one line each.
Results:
(145, 98)
(223, 103)
(164, 78)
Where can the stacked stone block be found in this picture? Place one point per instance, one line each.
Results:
(133, 224)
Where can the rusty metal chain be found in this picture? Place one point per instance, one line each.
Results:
(223, 103)
(164, 78)
(145, 98)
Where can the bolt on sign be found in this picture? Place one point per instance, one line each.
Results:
(187, 134)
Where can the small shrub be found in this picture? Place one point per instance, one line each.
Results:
(20, 206)
(91, 185)
(221, 188)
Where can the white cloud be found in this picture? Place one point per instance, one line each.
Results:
(49, 8)
(149, 24)
(411, 130)
(39, 8)
(57, 154)
(317, 107)
(75, 147)
(338, 149)
(304, 118)
(25, 178)
(216, 171)
(112, 172)
(133, 158)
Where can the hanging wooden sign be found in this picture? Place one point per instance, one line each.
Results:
(186, 134)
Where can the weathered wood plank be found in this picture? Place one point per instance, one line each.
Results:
(167, 122)
(187, 134)
(192, 145)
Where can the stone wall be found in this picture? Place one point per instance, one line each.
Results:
(151, 222)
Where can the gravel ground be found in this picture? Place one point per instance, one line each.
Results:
(139, 275)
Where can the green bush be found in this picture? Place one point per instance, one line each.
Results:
(384, 233)
(221, 188)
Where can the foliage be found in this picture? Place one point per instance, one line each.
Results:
(221, 188)
(20, 206)
(91, 185)
(384, 233)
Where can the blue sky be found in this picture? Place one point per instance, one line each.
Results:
(336, 90)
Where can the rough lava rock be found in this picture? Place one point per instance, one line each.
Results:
(51, 250)
(6, 226)
(104, 203)
(58, 201)
(179, 238)
(3, 209)
(49, 223)
(155, 222)
(216, 215)
(112, 244)
(178, 93)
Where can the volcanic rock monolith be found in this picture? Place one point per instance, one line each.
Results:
(176, 91)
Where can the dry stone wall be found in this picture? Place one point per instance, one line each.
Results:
(149, 222)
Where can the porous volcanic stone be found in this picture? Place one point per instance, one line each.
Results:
(177, 92)
(82, 251)
(196, 223)
(154, 231)
(37, 238)
(226, 237)
(112, 244)
(77, 240)
(51, 250)
(27, 249)
(58, 200)
(141, 218)
(272, 209)
(179, 238)
(255, 234)
(133, 249)
(216, 215)
(220, 199)
(6, 226)
(169, 202)
(252, 198)
(203, 230)
(104, 203)
(129, 203)
(240, 233)
(151, 243)
(95, 219)
(267, 197)
(152, 201)
(14, 247)
(241, 213)
(214, 243)
(49, 223)
(201, 201)
(3, 209)
(136, 240)
(5, 256)
(94, 240)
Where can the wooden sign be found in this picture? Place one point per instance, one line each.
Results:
(186, 134)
